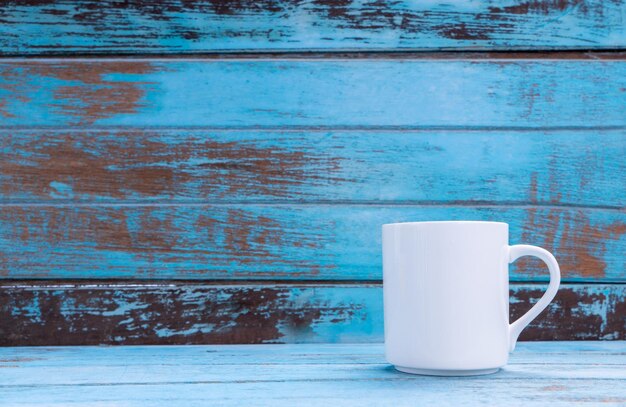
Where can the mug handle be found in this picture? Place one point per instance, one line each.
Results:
(515, 252)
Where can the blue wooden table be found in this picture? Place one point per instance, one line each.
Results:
(539, 373)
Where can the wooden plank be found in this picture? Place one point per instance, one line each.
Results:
(227, 363)
(89, 313)
(45, 27)
(559, 392)
(228, 373)
(344, 92)
(313, 374)
(317, 241)
(606, 353)
(520, 167)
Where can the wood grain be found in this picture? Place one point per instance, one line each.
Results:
(515, 390)
(277, 362)
(606, 353)
(495, 167)
(45, 27)
(327, 93)
(90, 314)
(538, 373)
(232, 241)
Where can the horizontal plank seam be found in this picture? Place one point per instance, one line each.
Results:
(311, 129)
(301, 203)
(588, 365)
(167, 284)
(378, 379)
(513, 53)
(308, 129)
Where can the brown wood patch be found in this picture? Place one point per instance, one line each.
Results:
(184, 313)
(87, 92)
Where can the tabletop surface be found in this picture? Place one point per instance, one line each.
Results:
(559, 373)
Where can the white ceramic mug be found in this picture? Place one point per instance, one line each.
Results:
(446, 296)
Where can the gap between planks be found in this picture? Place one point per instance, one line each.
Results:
(306, 380)
(308, 129)
(88, 283)
(582, 54)
(314, 203)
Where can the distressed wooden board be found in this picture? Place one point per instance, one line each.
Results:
(161, 374)
(344, 92)
(316, 241)
(521, 167)
(302, 374)
(88, 314)
(56, 27)
(606, 353)
(523, 391)
(301, 362)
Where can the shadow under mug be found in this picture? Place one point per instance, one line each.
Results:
(446, 296)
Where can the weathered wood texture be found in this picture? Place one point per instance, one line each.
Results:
(317, 241)
(82, 314)
(538, 374)
(276, 167)
(44, 27)
(348, 92)
(490, 167)
(573, 354)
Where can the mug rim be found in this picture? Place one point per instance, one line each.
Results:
(443, 222)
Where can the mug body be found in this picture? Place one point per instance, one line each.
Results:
(446, 296)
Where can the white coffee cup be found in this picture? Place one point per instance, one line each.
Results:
(446, 296)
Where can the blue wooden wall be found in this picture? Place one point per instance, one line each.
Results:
(218, 172)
